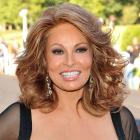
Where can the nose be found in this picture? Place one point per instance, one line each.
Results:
(69, 60)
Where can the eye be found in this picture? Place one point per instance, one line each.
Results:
(58, 51)
(81, 50)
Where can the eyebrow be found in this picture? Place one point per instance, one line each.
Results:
(74, 46)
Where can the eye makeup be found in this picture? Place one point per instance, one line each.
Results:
(57, 51)
(81, 49)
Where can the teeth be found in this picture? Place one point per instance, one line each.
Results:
(70, 74)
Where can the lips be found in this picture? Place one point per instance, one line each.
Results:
(70, 75)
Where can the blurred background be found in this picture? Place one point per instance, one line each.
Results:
(121, 16)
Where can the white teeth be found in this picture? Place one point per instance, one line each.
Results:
(70, 74)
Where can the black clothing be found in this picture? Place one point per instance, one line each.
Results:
(16, 123)
(25, 120)
(132, 57)
(137, 47)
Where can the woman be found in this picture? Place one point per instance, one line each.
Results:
(71, 81)
(130, 67)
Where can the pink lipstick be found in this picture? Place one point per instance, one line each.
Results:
(70, 75)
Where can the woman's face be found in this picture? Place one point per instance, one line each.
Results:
(68, 57)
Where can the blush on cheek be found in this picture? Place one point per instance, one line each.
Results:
(52, 64)
(54, 61)
(86, 63)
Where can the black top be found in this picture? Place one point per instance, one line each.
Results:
(132, 57)
(16, 123)
(137, 47)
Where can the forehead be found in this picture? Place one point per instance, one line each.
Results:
(64, 33)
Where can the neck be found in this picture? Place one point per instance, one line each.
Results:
(68, 100)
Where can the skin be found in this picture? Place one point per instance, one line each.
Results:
(135, 41)
(72, 56)
(130, 48)
(71, 42)
(64, 123)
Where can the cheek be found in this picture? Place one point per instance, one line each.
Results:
(86, 62)
(53, 63)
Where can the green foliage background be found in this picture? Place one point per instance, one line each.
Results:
(127, 37)
(95, 6)
(9, 9)
(129, 15)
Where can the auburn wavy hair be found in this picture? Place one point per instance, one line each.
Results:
(108, 90)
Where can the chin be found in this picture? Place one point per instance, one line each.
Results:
(71, 89)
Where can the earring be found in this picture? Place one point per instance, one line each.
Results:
(49, 91)
(90, 82)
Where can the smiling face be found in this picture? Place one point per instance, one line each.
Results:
(68, 57)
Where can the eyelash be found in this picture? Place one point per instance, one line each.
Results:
(79, 50)
(58, 51)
